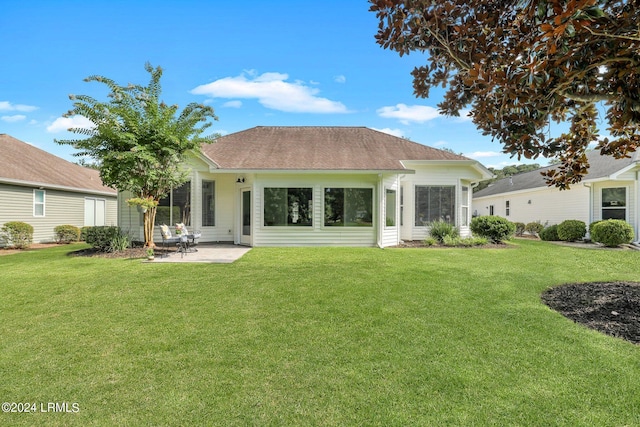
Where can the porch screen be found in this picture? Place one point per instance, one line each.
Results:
(176, 207)
(435, 203)
(288, 207)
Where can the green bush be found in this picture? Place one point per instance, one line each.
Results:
(494, 228)
(441, 229)
(571, 230)
(67, 233)
(612, 232)
(102, 238)
(534, 228)
(550, 233)
(119, 243)
(520, 228)
(592, 224)
(83, 233)
(430, 241)
(17, 234)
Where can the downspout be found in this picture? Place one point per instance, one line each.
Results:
(588, 185)
(379, 210)
(637, 242)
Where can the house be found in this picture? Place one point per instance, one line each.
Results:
(297, 186)
(611, 189)
(45, 191)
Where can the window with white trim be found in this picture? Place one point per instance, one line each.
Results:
(38, 202)
(390, 207)
(288, 207)
(614, 203)
(434, 203)
(348, 207)
(95, 211)
(208, 203)
(176, 207)
(464, 203)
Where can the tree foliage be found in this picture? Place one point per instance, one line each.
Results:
(523, 64)
(139, 141)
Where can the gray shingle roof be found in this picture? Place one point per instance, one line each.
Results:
(600, 167)
(318, 148)
(23, 163)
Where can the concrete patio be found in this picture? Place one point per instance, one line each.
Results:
(207, 253)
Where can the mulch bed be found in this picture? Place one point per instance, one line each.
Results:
(612, 308)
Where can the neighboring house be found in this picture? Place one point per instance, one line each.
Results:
(300, 186)
(45, 191)
(611, 189)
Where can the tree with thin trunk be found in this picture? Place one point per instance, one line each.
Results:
(521, 65)
(140, 142)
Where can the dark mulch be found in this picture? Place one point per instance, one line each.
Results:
(612, 308)
(135, 252)
(420, 244)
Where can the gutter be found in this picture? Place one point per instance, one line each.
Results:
(42, 185)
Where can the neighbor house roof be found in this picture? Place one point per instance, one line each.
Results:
(318, 148)
(600, 167)
(24, 164)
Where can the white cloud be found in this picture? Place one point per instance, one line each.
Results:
(464, 116)
(483, 154)
(272, 91)
(7, 106)
(11, 119)
(340, 79)
(409, 113)
(62, 124)
(232, 104)
(394, 132)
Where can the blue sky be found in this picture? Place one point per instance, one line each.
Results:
(256, 62)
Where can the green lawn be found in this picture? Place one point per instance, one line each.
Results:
(314, 336)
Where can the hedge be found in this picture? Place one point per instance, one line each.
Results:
(612, 232)
(17, 234)
(494, 228)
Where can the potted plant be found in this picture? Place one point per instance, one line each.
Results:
(150, 254)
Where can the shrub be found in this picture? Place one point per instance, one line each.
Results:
(612, 232)
(17, 234)
(430, 241)
(83, 233)
(592, 224)
(494, 228)
(550, 233)
(440, 229)
(571, 230)
(101, 238)
(520, 228)
(534, 228)
(67, 233)
(451, 241)
(119, 243)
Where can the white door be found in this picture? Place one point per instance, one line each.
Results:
(245, 217)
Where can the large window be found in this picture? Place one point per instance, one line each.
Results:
(390, 207)
(288, 206)
(614, 203)
(175, 208)
(208, 203)
(435, 203)
(348, 207)
(38, 202)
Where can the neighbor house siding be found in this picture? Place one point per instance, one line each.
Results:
(547, 205)
(61, 208)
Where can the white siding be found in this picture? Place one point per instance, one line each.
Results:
(61, 208)
(547, 205)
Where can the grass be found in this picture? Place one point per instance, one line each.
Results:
(314, 336)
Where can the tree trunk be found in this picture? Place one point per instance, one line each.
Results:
(149, 221)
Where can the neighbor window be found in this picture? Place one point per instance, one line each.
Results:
(490, 209)
(176, 207)
(38, 202)
(614, 203)
(94, 211)
(390, 207)
(348, 207)
(288, 206)
(208, 203)
(435, 203)
(506, 208)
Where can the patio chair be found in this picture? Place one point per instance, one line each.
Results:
(191, 237)
(168, 239)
